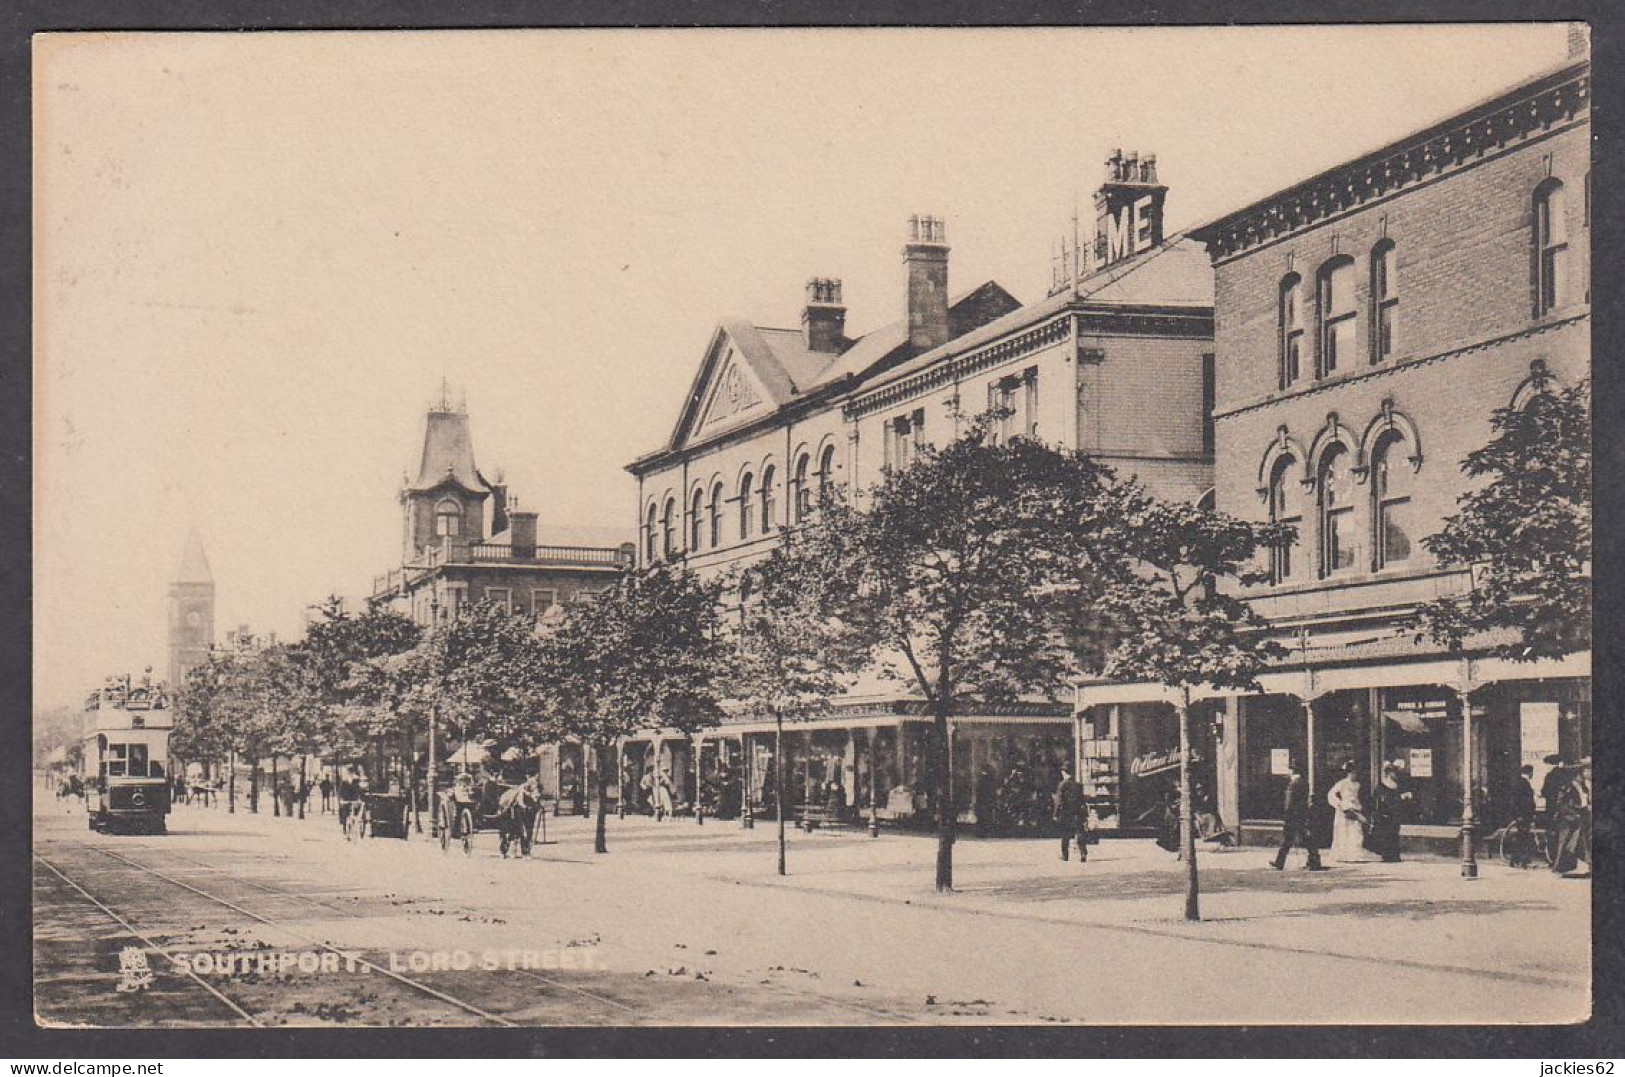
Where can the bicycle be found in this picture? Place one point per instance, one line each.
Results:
(351, 819)
(1523, 841)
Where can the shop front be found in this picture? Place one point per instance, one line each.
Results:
(1129, 761)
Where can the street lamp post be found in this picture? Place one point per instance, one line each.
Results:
(434, 721)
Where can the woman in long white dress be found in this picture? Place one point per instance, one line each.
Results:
(1349, 819)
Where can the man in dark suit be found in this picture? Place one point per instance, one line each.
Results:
(1073, 815)
(1295, 824)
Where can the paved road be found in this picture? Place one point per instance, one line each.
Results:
(683, 924)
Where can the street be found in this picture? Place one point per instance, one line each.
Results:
(689, 924)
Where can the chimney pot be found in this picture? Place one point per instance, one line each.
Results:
(823, 319)
(522, 535)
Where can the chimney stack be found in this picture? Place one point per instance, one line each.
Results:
(926, 256)
(499, 506)
(522, 535)
(823, 320)
(1128, 208)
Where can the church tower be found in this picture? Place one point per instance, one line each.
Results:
(191, 613)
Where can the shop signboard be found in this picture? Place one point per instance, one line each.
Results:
(1142, 766)
(1421, 762)
(1281, 761)
(1537, 720)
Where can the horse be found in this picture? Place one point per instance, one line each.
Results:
(516, 815)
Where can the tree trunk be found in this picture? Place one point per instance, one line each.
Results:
(302, 787)
(254, 786)
(778, 782)
(276, 790)
(947, 817)
(231, 782)
(600, 841)
(1187, 810)
(412, 779)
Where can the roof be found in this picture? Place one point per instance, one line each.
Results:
(1175, 274)
(448, 454)
(194, 567)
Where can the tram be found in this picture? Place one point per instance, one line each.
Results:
(126, 756)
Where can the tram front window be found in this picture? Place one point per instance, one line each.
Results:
(116, 761)
(138, 761)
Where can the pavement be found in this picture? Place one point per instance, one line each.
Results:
(857, 934)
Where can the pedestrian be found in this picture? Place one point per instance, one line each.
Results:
(1072, 813)
(1168, 835)
(663, 795)
(1571, 820)
(1295, 824)
(835, 799)
(325, 787)
(1349, 819)
(1523, 819)
(1390, 801)
(987, 797)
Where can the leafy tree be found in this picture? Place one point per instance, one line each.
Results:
(646, 653)
(1525, 530)
(1169, 620)
(963, 574)
(491, 661)
(789, 656)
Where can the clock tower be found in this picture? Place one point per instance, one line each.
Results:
(191, 613)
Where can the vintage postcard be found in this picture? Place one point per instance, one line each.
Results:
(845, 527)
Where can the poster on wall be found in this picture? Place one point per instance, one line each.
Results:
(1421, 762)
(1281, 761)
(1537, 720)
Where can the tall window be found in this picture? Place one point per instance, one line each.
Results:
(649, 549)
(668, 528)
(803, 493)
(767, 499)
(501, 597)
(826, 469)
(1391, 482)
(1016, 396)
(1286, 507)
(716, 516)
(1210, 387)
(1291, 326)
(696, 519)
(903, 438)
(448, 518)
(747, 487)
(1551, 248)
(1335, 304)
(1384, 299)
(1337, 542)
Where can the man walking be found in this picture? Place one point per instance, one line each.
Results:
(1073, 815)
(1295, 824)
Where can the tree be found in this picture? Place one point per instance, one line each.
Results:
(1169, 621)
(1525, 531)
(789, 656)
(962, 574)
(646, 653)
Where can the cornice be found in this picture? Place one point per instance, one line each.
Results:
(1044, 335)
(1535, 110)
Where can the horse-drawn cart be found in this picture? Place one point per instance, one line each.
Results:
(388, 815)
(513, 811)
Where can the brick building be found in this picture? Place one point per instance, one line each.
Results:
(1369, 320)
(464, 541)
(1117, 361)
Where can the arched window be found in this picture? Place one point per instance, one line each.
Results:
(1335, 307)
(448, 518)
(747, 486)
(716, 516)
(1384, 299)
(767, 500)
(1391, 482)
(803, 493)
(1286, 507)
(1551, 248)
(1291, 328)
(826, 469)
(1337, 542)
(649, 550)
(668, 528)
(696, 507)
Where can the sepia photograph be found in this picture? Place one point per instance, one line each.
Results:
(839, 527)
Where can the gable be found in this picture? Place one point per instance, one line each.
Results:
(734, 393)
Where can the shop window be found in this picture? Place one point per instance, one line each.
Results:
(448, 519)
(747, 488)
(500, 597)
(1551, 248)
(1336, 486)
(1335, 307)
(1384, 299)
(903, 438)
(1391, 484)
(668, 529)
(1277, 737)
(1286, 507)
(716, 516)
(1291, 329)
(768, 509)
(1421, 736)
(803, 492)
(696, 521)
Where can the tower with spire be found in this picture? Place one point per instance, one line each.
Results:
(447, 497)
(191, 612)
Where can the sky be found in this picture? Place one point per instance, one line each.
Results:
(258, 254)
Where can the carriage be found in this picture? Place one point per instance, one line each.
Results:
(126, 757)
(513, 811)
